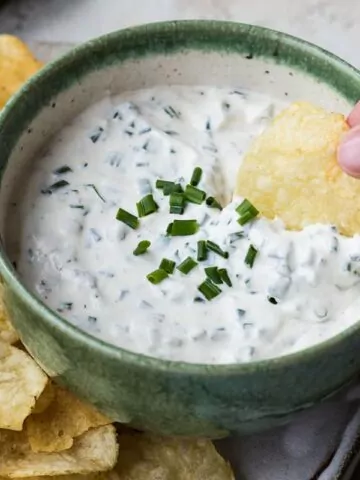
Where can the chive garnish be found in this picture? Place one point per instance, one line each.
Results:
(214, 274)
(250, 256)
(96, 191)
(187, 265)
(194, 194)
(225, 276)
(169, 228)
(55, 186)
(127, 218)
(146, 205)
(209, 289)
(202, 252)
(172, 188)
(167, 265)
(177, 203)
(162, 183)
(246, 211)
(183, 227)
(196, 176)
(157, 276)
(142, 247)
(62, 170)
(213, 203)
(216, 249)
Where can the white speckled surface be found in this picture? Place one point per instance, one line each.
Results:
(333, 24)
(298, 451)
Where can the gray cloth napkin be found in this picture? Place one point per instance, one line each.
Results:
(319, 444)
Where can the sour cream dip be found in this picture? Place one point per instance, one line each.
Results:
(298, 289)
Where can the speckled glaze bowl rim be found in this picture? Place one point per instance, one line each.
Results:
(189, 28)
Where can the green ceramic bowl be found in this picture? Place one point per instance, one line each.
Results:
(169, 397)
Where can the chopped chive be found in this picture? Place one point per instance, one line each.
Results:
(167, 265)
(80, 207)
(127, 218)
(234, 237)
(147, 205)
(169, 110)
(162, 183)
(184, 227)
(94, 137)
(213, 274)
(194, 194)
(55, 186)
(157, 276)
(169, 228)
(216, 249)
(187, 265)
(250, 256)
(177, 203)
(173, 188)
(225, 276)
(213, 203)
(272, 300)
(96, 191)
(196, 176)
(246, 211)
(209, 289)
(202, 252)
(142, 247)
(62, 170)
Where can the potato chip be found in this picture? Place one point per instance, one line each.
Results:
(17, 64)
(45, 399)
(7, 331)
(94, 451)
(66, 418)
(21, 383)
(291, 171)
(149, 457)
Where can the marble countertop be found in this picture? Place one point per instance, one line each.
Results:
(329, 23)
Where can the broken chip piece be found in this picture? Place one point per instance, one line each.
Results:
(65, 418)
(21, 383)
(94, 451)
(291, 171)
(149, 457)
(17, 64)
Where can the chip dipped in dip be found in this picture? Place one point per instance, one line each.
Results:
(128, 228)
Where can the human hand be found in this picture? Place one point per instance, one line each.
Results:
(348, 153)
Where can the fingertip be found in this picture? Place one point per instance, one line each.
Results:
(353, 119)
(348, 153)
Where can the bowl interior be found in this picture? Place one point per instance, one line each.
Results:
(183, 53)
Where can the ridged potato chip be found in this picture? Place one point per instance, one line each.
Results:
(65, 418)
(21, 383)
(291, 171)
(149, 457)
(17, 64)
(94, 451)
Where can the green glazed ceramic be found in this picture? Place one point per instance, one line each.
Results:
(169, 397)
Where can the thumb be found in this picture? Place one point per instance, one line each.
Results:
(348, 153)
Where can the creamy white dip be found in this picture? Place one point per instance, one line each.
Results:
(73, 253)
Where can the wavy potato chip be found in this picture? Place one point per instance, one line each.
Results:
(291, 171)
(149, 457)
(65, 418)
(17, 64)
(7, 331)
(94, 451)
(21, 383)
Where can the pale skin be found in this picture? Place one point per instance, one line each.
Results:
(349, 148)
